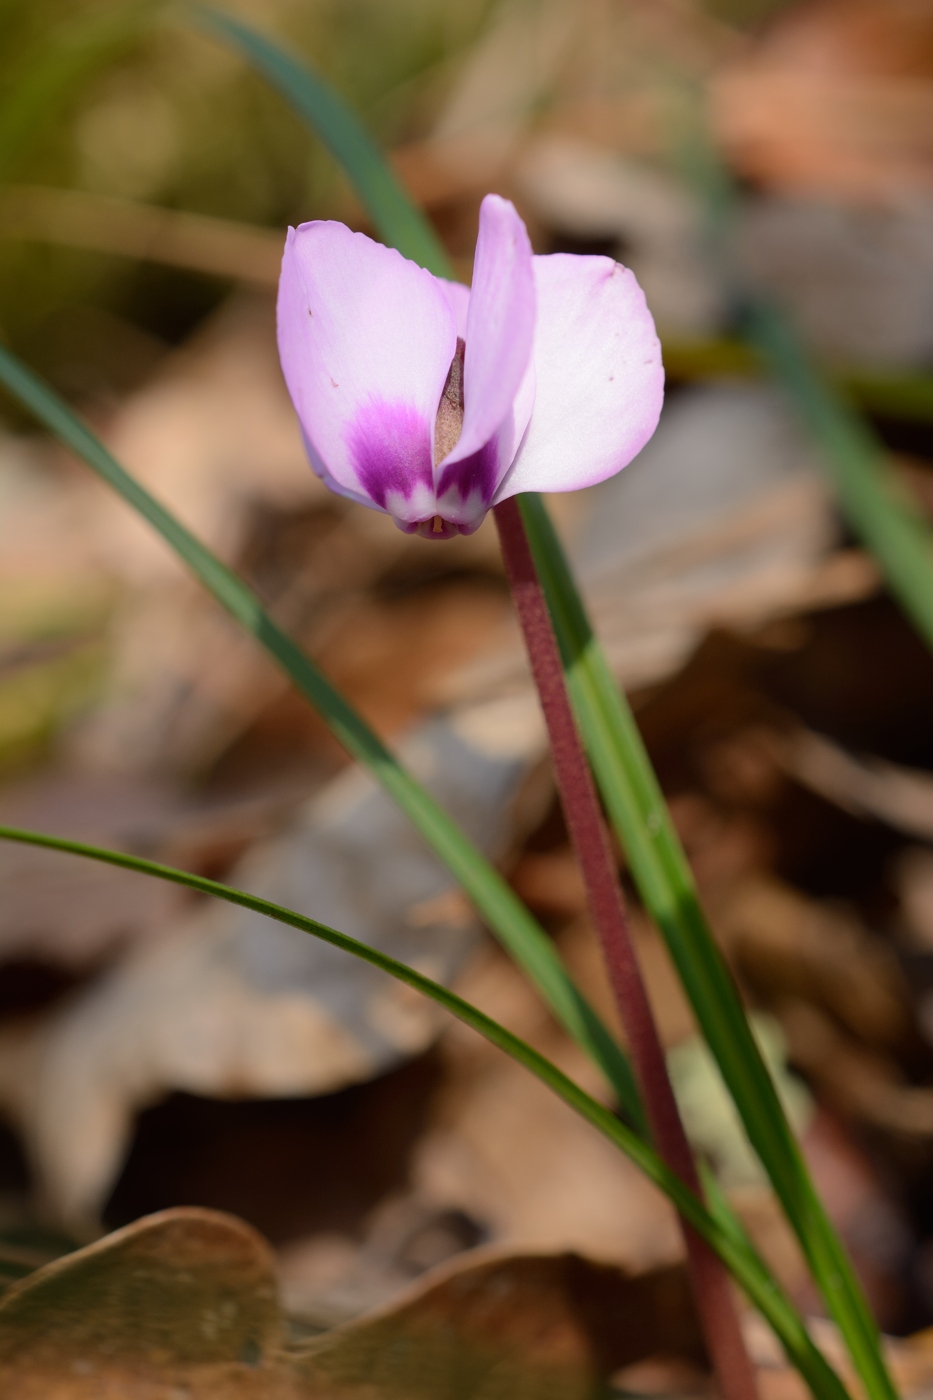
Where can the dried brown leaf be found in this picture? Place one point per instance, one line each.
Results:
(180, 1303)
(496, 1326)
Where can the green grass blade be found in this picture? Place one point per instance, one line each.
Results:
(502, 910)
(399, 222)
(883, 515)
(506, 915)
(876, 505)
(639, 814)
(742, 1262)
(887, 393)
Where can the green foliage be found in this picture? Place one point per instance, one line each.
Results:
(493, 897)
(888, 393)
(732, 1248)
(878, 507)
(399, 223)
(639, 814)
(506, 915)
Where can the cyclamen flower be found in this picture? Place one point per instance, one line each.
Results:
(432, 402)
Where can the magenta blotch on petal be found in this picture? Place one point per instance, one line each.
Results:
(392, 457)
(466, 488)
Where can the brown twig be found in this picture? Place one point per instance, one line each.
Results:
(715, 1303)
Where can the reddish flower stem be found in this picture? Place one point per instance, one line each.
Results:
(582, 812)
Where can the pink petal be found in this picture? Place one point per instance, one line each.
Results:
(366, 339)
(458, 297)
(500, 324)
(599, 372)
(498, 381)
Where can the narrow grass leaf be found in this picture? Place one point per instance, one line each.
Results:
(399, 222)
(743, 1263)
(639, 814)
(888, 393)
(877, 506)
(508, 918)
(903, 545)
(502, 910)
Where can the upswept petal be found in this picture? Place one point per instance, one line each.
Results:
(500, 325)
(600, 380)
(366, 339)
(498, 375)
(458, 296)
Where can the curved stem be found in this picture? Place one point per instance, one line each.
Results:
(590, 839)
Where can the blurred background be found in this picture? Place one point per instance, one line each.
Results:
(157, 1051)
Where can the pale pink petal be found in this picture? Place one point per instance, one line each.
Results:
(458, 297)
(366, 339)
(600, 381)
(499, 336)
(500, 324)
